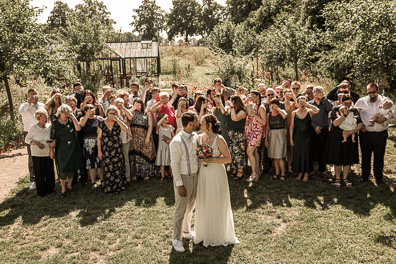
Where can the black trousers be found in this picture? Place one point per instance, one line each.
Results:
(45, 175)
(373, 142)
(319, 143)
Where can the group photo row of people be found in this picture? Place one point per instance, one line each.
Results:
(280, 131)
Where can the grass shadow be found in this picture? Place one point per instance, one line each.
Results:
(92, 204)
(200, 254)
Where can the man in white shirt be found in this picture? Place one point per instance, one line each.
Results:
(184, 163)
(28, 110)
(373, 138)
(134, 92)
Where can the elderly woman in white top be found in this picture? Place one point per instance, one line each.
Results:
(38, 138)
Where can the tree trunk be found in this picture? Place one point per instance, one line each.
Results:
(186, 40)
(8, 90)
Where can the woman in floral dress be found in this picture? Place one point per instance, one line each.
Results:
(256, 123)
(110, 151)
(142, 153)
(236, 133)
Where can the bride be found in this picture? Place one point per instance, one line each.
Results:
(214, 224)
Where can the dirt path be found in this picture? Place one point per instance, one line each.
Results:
(13, 167)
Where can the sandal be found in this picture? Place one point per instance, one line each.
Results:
(134, 178)
(282, 178)
(162, 179)
(69, 190)
(62, 194)
(251, 178)
(274, 177)
(337, 183)
(348, 183)
(93, 185)
(146, 178)
(238, 175)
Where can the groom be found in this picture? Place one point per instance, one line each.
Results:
(184, 164)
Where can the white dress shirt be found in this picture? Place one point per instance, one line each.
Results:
(179, 156)
(133, 97)
(367, 110)
(27, 111)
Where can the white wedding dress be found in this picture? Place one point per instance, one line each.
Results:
(214, 224)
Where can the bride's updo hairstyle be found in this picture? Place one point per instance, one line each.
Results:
(211, 119)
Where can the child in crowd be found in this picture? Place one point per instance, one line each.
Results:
(385, 109)
(350, 123)
(165, 134)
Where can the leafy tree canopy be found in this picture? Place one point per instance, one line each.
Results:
(148, 20)
(183, 19)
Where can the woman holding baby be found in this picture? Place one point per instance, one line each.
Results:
(342, 148)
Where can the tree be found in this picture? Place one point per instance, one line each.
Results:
(86, 34)
(21, 39)
(149, 20)
(239, 10)
(183, 18)
(290, 43)
(212, 14)
(58, 16)
(361, 35)
(221, 39)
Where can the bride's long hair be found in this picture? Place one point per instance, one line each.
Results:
(212, 119)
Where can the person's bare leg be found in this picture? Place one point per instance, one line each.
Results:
(63, 185)
(250, 154)
(92, 175)
(345, 172)
(338, 170)
(258, 169)
(276, 166)
(69, 183)
(281, 165)
(289, 158)
(100, 173)
(353, 137)
(162, 173)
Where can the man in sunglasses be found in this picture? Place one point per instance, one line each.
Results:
(373, 138)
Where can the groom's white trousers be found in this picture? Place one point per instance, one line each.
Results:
(184, 205)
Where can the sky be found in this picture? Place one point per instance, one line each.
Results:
(121, 10)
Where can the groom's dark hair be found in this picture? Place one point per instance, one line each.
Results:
(188, 117)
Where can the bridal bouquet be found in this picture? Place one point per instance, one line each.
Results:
(204, 151)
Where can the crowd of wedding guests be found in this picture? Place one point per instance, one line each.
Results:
(124, 136)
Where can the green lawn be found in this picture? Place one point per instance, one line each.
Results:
(276, 222)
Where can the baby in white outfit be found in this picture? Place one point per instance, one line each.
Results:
(385, 109)
(350, 123)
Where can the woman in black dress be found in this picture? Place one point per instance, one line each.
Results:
(90, 124)
(301, 134)
(342, 155)
(110, 151)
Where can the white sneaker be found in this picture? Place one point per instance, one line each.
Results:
(32, 186)
(188, 236)
(177, 245)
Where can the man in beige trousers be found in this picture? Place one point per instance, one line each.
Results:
(184, 163)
